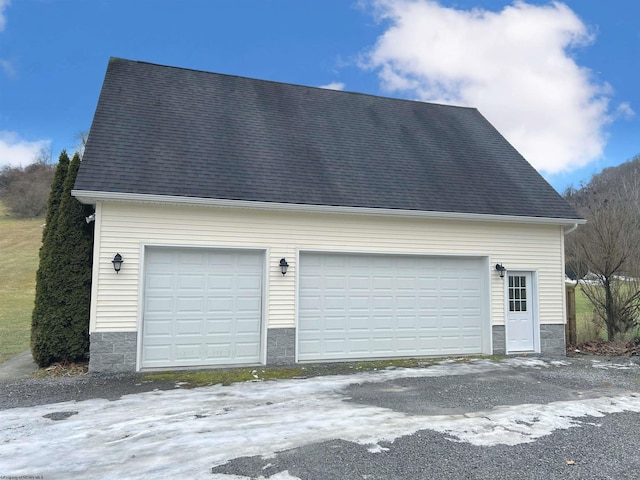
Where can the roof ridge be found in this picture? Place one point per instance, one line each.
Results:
(297, 85)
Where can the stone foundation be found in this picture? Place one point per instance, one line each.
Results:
(552, 340)
(113, 352)
(281, 346)
(499, 340)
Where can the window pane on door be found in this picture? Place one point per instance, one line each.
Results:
(517, 292)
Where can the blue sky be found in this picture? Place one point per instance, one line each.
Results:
(559, 80)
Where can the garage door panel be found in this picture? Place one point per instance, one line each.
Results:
(245, 326)
(202, 307)
(357, 302)
(160, 328)
(157, 353)
(469, 301)
(382, 343)
(381, 323)
(164, 257)
(159, 305)
(407, 322)
(406, 302)
(244, 303)
(188, 351)
(188, 327)
(359, 282)
(311, 304)
(407, 345)
(333, 324)
(217, 352)
(427, 284)
(220, 304)
(392, 306)
(218, 327)
(312, 346)
(192, 282)
(189, 304)
(449, 284)
(360, 345)
(333, 346)
(356, 323)
(160, 281)
(220, 283)
(221, 258)
(469, 341)
(248, 281)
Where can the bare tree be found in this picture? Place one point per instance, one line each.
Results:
(44, 156)
(606, 255)
(81, 138)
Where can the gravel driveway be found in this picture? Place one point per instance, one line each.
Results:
(518, 418)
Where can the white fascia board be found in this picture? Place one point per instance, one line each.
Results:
(91, 197)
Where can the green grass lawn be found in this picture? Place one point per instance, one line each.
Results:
(587, 329)
(19, 245)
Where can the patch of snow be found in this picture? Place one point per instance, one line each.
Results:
(614, 366)
(377, 449)
(528, 362)
(184, 433)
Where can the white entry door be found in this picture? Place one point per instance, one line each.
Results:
(520, 319)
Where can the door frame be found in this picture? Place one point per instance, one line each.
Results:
(535, 308)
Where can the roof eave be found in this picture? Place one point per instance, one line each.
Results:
(91, 197)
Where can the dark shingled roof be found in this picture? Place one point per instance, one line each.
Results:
(172, 131)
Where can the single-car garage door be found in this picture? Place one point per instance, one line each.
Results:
(368, 306)
(201, 307)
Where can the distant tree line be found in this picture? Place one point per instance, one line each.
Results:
(24, 190)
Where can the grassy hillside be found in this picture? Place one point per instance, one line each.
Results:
(19, 245)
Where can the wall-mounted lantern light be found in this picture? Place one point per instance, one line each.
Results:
(500, 269)
(117, 262)
(283, 266)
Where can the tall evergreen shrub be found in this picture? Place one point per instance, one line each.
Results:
(63, 294)
(45, 298)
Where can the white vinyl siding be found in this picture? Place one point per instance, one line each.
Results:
(126, 228)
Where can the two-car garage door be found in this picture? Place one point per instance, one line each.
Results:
(368, 306)
(202, 307)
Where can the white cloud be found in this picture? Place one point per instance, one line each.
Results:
(625, 111)
(333, 86)
(515, 66)
(17, 152)
(3, 18)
